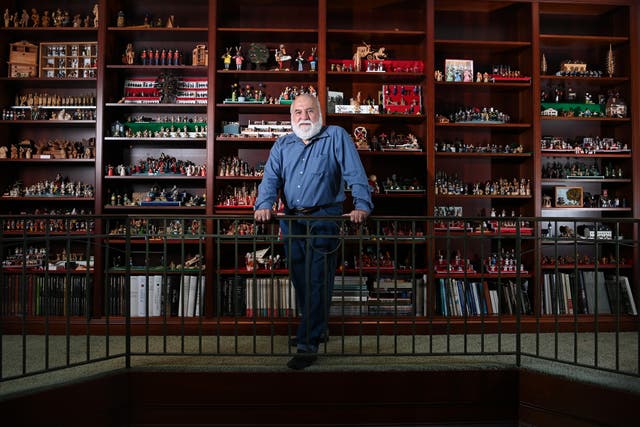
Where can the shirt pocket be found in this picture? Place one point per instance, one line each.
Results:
(318, 165)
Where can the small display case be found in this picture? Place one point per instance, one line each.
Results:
(68, 60)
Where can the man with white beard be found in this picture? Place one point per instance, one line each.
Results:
(308, 169)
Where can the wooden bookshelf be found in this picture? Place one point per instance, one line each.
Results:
(425, 33)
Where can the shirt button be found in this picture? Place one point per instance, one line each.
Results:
(298, 186)
(300, 172)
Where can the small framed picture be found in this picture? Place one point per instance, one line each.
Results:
(458, 70)
(568, 197)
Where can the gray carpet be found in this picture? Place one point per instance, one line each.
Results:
(226, 353)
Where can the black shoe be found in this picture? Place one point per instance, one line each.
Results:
(302, 360)
(293, 342)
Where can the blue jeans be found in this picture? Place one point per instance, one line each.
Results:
(311, 247)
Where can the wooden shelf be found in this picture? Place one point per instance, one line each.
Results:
(506, 156)
(563, 39)
(505, 126)
(597, 155)
(586, 267)
(159, 140)
(63, 161)
(561, 181)
(589, 209)
(159, 177)
(47, 198)
(513, 33)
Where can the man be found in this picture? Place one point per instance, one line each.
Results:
(308, 169)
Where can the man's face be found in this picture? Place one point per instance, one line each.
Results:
(306, 120)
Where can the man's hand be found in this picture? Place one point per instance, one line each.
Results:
(357, 216)
(262, 215)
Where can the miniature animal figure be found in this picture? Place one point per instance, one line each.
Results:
(379, 55)
(238, 57)
(226, 58)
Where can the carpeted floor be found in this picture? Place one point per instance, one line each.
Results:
(97, 355)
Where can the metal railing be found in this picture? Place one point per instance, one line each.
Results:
(559, 289)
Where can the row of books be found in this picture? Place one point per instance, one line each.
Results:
(156, 295)
(357, 296)
(587, 292)
(40, 295)
(258, 296)
(352, 296)
(459, 297)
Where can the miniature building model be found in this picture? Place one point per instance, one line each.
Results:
(23, 59)
(200, 55)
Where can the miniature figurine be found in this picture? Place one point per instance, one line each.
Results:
(24, 19)
(238, 57)
(282, 58)
(129, 55)
(226, 58)
(35, 18)
(313, 59)
(300, 59)
(379, 55)
(57, 16)
(7, 18)
(95, 15)
(361, 52)
(170, 21)
(120, 20)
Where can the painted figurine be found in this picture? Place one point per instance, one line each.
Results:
(300, 59)
(226, 58)
(238, 58)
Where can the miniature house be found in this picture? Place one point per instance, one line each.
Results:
(200, 55)
(23, 59)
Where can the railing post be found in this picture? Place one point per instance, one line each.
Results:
(127, 319)
(519, 292)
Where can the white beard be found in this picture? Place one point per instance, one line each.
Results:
(307, 132)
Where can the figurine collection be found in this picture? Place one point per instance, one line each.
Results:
(234, 166)
(238, 196)
(583, 145)
(281, 60)
(453, 185)
(54, 221)
(459, 146)
(162, 126)
(58, 186)
(49, 149)
(155, 196)
(55, 18)
(163, 165)
(157, 228)
(45, 106)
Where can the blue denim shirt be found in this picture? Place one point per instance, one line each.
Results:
(314, 174)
